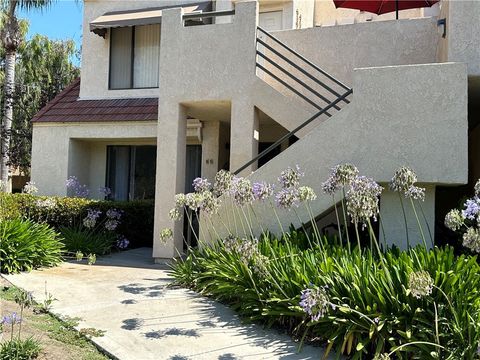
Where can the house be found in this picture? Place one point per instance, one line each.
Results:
(172, 90)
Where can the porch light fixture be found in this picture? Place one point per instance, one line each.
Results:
(443, 22)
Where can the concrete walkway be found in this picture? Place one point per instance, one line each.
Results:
(126, 295)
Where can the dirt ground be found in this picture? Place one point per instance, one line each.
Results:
(57, 339)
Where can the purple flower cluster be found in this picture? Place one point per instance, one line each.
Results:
(113, 219)
(122, 242)
(201, 185)
(91, 219)
(290, 177)
(105, 191)
(223, 182)
(11, 319)
(404, 181)
(340, 176)
(472, 208)
(209, 203)
(78, 189)
(287, 198)
(262, 190)
(315, 302)
(363, 199)
(241, 190)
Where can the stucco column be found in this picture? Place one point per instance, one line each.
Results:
(393, 222)
(210, 148)
(51, 155)
(244, 135)
(170, 180)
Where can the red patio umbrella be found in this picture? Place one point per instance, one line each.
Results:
(383, 6)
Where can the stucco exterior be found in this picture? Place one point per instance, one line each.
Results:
(408, 105)
(378, 134)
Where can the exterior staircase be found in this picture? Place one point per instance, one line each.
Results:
(290, 79)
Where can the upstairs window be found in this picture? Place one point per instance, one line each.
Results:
(134, 57)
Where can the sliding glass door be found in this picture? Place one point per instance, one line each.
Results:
(131, 172)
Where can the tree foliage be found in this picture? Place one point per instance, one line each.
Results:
(44, 67)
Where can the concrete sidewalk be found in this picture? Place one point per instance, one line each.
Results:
(126, 295)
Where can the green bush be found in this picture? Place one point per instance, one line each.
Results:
(136, 223)
(17, 349)
(370, 307)
(87, 241)
(26, 245)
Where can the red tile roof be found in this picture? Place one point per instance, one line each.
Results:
(66, 107)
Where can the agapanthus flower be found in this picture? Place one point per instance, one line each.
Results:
(166, 235)
(290, 177)
(454, 220)
(91, 219)
(11, 319)
(111, 224)
(403, 179)
(287, 198)
(174, 214)
(477, 188)
(30, 188)
(262, 190)
(223, 182)
(209, 203)
(472, 208)
(79, 256)
(363, 199)
(420, 284)
(91, 259)
(180, 200)
(241, 191)
(230, 243)
(114, 214)
(315, 302)
(78, 189)
(122, 242)
(306, 193)
(193, 200)
(247, 249)
(259, 266)
(471, 239)
(71, 182)
(340, 176)
(416, 193)
(201, 185)
(48, 203)
(105, 191)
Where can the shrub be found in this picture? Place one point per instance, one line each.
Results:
(27, 245)
(136, 224)
(370, 307)
(87, 241)
(20, 349)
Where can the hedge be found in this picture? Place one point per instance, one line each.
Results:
(136, 223)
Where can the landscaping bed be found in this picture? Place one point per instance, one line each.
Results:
(57, 339)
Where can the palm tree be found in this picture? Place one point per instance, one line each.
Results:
(10, 37)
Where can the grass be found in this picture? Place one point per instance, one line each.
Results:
(59, 339)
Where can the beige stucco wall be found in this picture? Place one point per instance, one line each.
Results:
(63, 150)
(387, 125)
(341, 49)
(95, 49)
(462, 42)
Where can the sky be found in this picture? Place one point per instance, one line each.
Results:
(62, 20)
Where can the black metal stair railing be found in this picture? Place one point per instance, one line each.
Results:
(279, 63)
